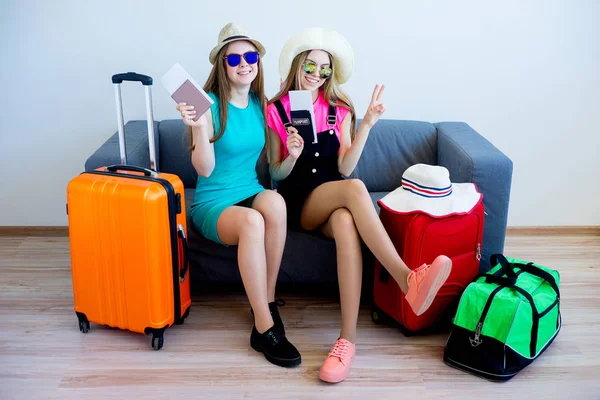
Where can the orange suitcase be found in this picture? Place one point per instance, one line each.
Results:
(127, 232)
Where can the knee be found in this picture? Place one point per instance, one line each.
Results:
(342, 221)
(274, 210)
(252, 223)
(276, 204)
(356, 187)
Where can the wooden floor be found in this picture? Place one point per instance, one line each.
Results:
(44, 356)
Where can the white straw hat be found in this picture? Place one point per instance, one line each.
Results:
(427, 188)
(319, 39)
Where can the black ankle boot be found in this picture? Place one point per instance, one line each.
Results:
(275, 314)
(276, 348)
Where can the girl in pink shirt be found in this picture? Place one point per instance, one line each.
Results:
(312, 175)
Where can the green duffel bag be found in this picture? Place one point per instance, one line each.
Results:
(505, 319)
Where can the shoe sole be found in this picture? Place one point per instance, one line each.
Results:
(330, 379)
(440, 278)
(281, 362)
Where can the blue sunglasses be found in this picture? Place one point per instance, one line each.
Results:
(234, 60)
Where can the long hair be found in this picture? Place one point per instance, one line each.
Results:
(333, 93)
(218, 83)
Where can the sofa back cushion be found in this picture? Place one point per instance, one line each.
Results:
(392, 147)
(136, 143)
(174, 145)
(175, 156)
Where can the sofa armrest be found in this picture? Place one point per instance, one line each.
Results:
(472, 158)
(136, 144)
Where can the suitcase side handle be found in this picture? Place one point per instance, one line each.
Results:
(145, 171)
(183, 271)
(133, 77)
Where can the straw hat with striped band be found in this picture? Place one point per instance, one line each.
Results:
(427, 188)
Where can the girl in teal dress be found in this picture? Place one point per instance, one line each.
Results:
(230, 206)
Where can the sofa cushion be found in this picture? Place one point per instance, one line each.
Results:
(174, 153)
(391, 148)
(294, 269)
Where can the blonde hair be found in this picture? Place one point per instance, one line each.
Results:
(218, 83)
(333, 93)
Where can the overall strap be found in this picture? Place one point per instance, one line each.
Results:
(282, 114)
(331, 119)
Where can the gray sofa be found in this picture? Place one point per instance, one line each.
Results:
(393, 146)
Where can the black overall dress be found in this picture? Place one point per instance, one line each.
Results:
(317, 164)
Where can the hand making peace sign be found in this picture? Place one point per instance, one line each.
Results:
(376, 107)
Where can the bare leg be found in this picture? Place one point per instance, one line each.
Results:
(272, 207)
(353, 195)
(246, 228)
(340, 226)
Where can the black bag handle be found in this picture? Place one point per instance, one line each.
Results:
(508, 269)
(502, 281)
(540, 273)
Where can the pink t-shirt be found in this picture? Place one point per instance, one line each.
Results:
(321, 109)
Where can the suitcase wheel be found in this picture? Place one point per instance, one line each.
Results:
(377, 315)
(157, 341)
(84, 324)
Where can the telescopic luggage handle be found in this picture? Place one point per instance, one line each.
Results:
(146, 80)
(133, 77)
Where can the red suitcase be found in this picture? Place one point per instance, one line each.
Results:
(419, 238)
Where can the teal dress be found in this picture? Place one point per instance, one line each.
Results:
(234, 178)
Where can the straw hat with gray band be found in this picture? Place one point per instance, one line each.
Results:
(231, 33)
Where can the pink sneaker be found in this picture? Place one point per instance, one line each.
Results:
(425, 281)
(337, 364)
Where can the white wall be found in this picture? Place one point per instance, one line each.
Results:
(524, 74)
